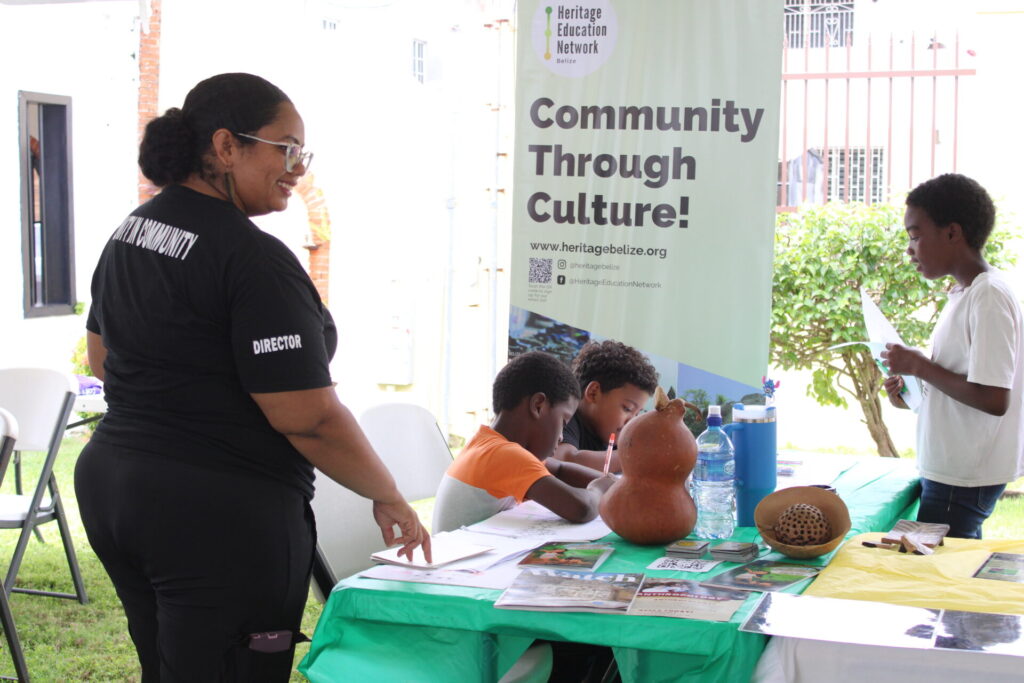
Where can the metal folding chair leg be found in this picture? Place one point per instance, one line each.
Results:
(41, 401)
(17, 489)
(69, 552)
(13, 643)
(8, 435)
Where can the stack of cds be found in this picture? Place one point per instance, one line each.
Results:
(734, 551)
(687, 549)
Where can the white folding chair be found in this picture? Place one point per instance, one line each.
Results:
(411, 445)
(41, 400)
(408, 440)
(415, 450)
(8, 436)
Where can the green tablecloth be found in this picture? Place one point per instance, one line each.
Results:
(393, 631)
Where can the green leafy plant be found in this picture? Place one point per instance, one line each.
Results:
(824, 255)
(80, 358)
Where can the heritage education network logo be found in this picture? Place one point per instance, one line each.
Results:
(574, 38)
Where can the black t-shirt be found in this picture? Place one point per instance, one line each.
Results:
(198, 308)
(581, 436)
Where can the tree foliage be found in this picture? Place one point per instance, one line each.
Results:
(824, 255)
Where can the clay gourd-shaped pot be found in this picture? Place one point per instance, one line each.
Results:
(650, 505)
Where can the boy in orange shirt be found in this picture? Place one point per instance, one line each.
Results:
(534, 396)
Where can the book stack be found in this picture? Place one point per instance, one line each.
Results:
(735, 551)
(691, 550)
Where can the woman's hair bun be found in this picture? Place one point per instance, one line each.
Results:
(167, 153)
(175, 144)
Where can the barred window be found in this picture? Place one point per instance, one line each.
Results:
(864, 170)
(819, 23)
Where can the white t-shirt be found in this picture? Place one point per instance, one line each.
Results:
(980, 334)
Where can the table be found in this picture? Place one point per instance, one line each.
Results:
(387, 630)
(88, 403)
(939, 581)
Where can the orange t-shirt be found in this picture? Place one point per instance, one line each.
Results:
(490, 475)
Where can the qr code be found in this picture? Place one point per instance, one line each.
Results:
(540, 270)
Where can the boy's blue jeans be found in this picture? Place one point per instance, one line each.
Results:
(963, 508)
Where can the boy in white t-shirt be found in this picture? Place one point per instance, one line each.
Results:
(970, 430)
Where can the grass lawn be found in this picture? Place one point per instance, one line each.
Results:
(64, 640)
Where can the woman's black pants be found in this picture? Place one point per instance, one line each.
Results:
(212, 567)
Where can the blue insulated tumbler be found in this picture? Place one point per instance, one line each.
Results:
(753, 436)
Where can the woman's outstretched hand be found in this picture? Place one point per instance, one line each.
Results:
(412, 535)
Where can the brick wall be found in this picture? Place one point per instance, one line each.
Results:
(319, 232)
(149, 81)
(149, 90)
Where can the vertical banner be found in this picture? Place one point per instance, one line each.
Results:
(645, 181)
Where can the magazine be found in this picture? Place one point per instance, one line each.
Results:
(763, 575)
(565, 590)
(662, 597)
(563, 555)
(1002, 567)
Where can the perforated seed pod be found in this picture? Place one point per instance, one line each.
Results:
(803, 524)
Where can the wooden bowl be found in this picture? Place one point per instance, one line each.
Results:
(774, 504)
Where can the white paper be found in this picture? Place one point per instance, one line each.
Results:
(445, 548)
(880, 333)
(532, 520)
(684, 564)
(505, 549)
(497, 578)
(842, 621)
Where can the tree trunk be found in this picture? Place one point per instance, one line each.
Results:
(867, 381)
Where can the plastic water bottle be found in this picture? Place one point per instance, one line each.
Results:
(713, 480)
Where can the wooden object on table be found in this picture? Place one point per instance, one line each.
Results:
(925, 533)
(650, 505)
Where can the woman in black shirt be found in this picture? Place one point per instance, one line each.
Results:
(214, 348)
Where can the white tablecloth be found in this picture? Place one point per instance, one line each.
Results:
(797, 660)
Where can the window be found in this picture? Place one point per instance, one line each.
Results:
(803, 179)
(819, 22)
(418, 70)
(861, 170)
(46, 213)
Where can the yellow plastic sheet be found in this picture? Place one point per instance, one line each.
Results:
(942, 580)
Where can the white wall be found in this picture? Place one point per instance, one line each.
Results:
(408, 170)
(86, 51)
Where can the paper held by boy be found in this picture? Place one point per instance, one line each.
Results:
(880, 333)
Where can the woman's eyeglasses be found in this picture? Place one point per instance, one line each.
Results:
(293, 154)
